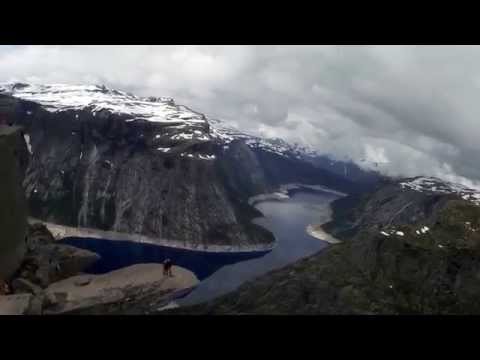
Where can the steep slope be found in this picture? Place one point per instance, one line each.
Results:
(110, 160)
(423, 258)
(13, 211)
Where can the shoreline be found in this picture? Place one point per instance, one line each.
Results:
(283, 192)
(316, 231)
(61, 232)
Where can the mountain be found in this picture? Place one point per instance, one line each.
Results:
(409, 247)
(109, 160)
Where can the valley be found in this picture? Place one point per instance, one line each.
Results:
(113, 184)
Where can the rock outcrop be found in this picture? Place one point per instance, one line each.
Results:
(13, 210)
(51, 281)
(136, 289)
(46, 262)
(19, 304)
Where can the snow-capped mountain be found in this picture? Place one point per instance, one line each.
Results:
(109, 160)
(182, 122)
(435, 185)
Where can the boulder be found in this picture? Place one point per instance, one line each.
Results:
(48, 263)
(38, 234)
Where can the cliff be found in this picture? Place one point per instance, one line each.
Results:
(13, 212)
(104, 159)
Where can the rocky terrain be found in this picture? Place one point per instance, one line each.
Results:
(410, 247)
(50, 281)
(40, 276)
(109, 160)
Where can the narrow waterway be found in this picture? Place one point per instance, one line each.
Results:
(287, 220)
(222, 272)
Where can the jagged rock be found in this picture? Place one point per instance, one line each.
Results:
(38, 234)
(21, 285)
(49, 262)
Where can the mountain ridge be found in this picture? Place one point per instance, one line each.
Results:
(176, 177)
(424, 261)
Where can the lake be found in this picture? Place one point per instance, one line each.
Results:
(223, 272)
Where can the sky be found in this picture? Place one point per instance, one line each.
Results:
(414, 110)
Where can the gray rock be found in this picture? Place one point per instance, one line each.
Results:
(36, 305)
(21, 285)
(18, 304)
(48, 263)
(83, 281)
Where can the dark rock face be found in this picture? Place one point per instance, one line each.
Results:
(46, 262)
(99, 169)
(101, 172)
(407, 271)
(13, 210)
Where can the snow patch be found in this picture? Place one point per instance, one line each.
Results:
(424, 229)
(27, 141)
(435, 185)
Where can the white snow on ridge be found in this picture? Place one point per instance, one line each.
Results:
(227, 134)
(435, 185)
(61, 97)
(27, 141)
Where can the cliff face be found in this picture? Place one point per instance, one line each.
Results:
(109, 160)
(13, 212)
(423, 258)
(102, 172)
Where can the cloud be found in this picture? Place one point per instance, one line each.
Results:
(415, 106)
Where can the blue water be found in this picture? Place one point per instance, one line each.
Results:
(223, 272)
(287, 220)
(118, 254)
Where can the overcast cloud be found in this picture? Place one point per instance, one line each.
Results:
(415, 109)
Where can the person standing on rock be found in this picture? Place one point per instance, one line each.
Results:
(167, 267)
